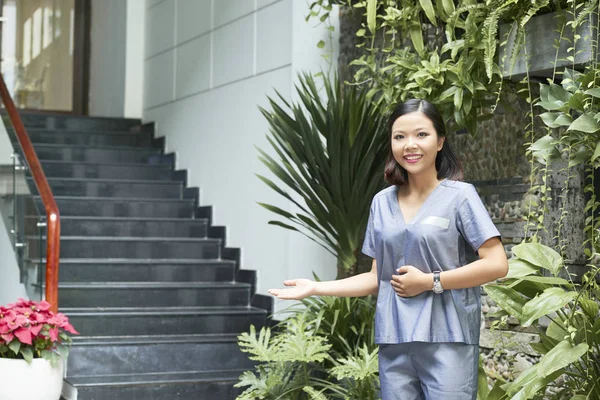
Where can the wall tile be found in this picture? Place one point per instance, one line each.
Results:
(150, 3)
(264, 3)
(193, 18)
(193, 67)
(233, 51)
(228, 10)
(159, 79)
(274, 36)
(160, 27)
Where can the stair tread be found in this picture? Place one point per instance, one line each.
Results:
(84, 132)
(155, 339)
(163, 311)
(132, 238)
(116, 164)
(121, 199)
(141, 261)
(81, 146)
(154, 378)
(151, 285)
(110, 180)
(126, 219)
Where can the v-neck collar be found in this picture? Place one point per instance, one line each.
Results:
(398, 211)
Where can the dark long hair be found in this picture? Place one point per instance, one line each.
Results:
(446, 163)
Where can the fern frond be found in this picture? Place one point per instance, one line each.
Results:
(359, 367)
(314, 394)
(260, 348)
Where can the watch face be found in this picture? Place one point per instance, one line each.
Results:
(437, 288)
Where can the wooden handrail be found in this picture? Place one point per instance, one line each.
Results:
(52, 214)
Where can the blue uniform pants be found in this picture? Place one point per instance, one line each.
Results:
(428, 371)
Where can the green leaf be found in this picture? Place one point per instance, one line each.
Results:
(549, 301)
(371, 15)
(540, 255)
(530, 381)
(551, 105)
(321, 44)
(596, 152)
(593, 92)
(518, 268)
(427, 6)
(585, 123)
(15, 346)
(508, 299)
(448, 6)
(27, 354)
(558, 93)
(547, 280)
(581, 156)
(416, 36)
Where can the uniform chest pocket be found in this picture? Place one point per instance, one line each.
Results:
(436, 221)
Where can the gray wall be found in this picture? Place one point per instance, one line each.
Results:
(107, 58)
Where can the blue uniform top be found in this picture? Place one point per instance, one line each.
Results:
(436, 239)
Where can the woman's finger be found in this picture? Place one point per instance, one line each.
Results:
(290, 282)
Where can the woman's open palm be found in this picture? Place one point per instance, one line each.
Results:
(298, 289)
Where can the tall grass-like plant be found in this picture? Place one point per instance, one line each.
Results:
(330, 151)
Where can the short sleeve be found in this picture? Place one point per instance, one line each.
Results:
(473, 220)
(368, 247)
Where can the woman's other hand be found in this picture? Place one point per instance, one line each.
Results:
(298, 289)
(411, 281)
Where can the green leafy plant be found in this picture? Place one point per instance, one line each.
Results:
(306, 356)
(330, 150)
(570, 346)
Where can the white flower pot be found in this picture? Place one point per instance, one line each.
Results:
(36, 381)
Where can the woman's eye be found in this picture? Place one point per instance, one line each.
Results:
(398, 137)
(422, 134)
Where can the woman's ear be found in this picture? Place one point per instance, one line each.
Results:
(441, 142)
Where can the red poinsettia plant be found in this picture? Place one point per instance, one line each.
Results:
(28, 330)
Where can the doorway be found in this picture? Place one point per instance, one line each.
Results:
(44, 54)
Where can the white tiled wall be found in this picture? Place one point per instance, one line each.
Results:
(160, 32)
(215, 43)
(194, 18)
(211, 65)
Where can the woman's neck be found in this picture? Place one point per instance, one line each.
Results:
(422, 184)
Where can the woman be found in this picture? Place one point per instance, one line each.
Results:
(427, 319)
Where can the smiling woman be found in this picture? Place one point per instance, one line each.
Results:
(428, 304)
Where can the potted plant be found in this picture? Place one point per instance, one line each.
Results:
(33, 346)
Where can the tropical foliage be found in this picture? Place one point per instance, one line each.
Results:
(330, 150)
(323, 350)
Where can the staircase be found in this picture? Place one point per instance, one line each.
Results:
(144, 276)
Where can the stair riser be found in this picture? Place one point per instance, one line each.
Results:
(89, 360)
(131, 249)
(92, 171)
(86, 227)
(92, 155)
(158, 391)
(91, 138)
(115, 325)
(125, 208)
(146, 273)
(160, 189)
(78, 124)
(134, 297)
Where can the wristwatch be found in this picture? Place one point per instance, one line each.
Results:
(437, 285)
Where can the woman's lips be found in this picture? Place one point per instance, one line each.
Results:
(413, 158)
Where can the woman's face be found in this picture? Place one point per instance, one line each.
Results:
(415, 143)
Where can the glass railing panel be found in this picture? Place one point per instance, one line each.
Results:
(23, 214)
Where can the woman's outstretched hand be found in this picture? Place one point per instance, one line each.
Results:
(298, 289)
